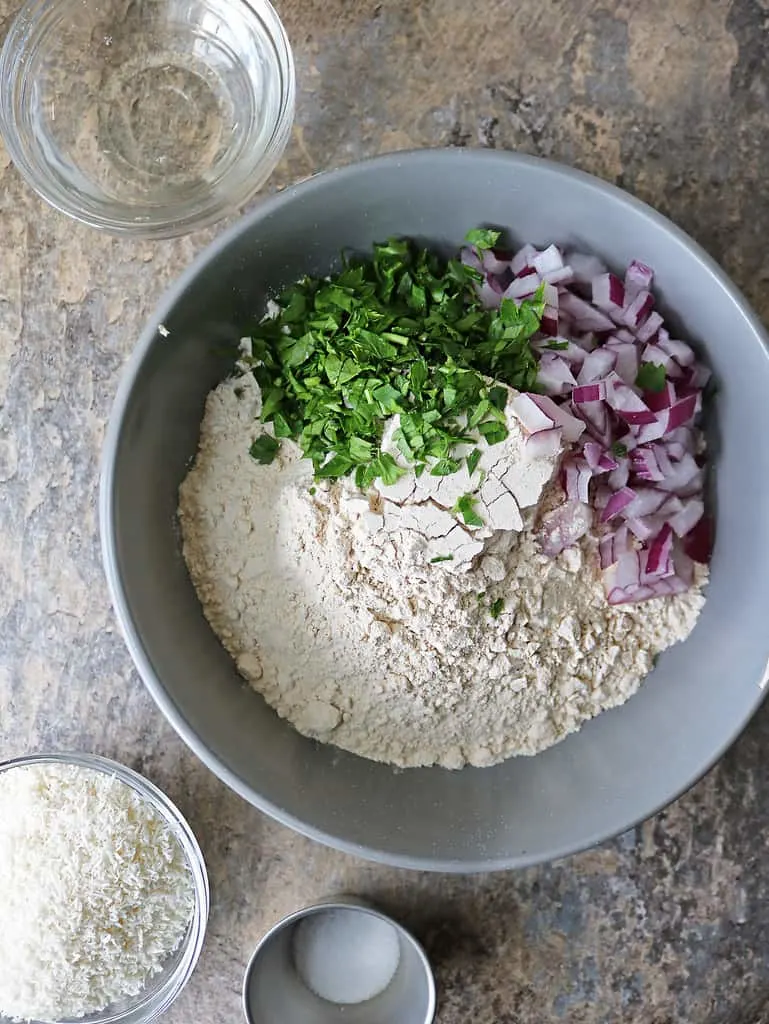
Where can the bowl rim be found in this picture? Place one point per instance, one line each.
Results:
(147, 1007)
(162, 222)
(139, 655)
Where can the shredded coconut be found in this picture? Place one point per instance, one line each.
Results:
(94, 892)
(352, 633)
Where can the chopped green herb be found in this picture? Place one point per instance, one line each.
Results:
(558, 346)
(264, 449)
(444, 467)
(442, 558)
(472, 460)
(497, 607)
(404, 333)
(465, 507)
(651, 377)
(313, 491)
(482, 238)
(619, 450)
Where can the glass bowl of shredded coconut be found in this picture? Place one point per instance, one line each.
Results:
(103, 893)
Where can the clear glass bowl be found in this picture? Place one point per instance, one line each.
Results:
(165, 986)
(146, 117)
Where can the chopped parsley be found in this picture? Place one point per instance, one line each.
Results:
(400, 333)
(619, 450)
(465, 507)
(441, 558)
(497, 607)
(651, 377)
(264, 449)
(482, 238)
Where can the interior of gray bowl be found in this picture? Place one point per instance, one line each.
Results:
(623, 765)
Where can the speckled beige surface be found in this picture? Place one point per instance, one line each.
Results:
(670, 923)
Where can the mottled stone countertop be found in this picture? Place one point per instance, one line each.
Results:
(668, 98)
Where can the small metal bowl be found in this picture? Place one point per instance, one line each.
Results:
(162, 989)
(274, 992)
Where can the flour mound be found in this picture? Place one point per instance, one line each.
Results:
(356, 637)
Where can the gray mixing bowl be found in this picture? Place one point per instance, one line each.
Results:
(621, 767)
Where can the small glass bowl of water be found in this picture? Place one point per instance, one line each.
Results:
(146, 117)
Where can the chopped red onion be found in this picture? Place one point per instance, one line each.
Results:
(620, 476)
(627, 362)
(564, 526)
(597, 365)
(659, 555)
(659, 400)
(626, 403)
(547, 260)
(585, 267)
(529, 412)
(645, 465)
(683, 522)
(544, 443)
(492, 264)
(554, 375)
(679, 350)
(578, 475)
(638, 278)
(522, 287)
(619, 501)
(589, 393)
(649, 328)
(641, 447)
(638, 311)
(523, 258)
(609, 295)
(562, 275)
(585, 316)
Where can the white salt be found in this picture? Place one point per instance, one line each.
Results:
(346, 956)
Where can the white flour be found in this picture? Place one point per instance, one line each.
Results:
(363, 643)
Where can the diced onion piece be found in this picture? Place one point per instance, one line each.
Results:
(609, 294)
(589, 393)
(645, 465)
(649, 328)
(626, 403)
(639, 310)
(679, 350)
(620, 476)
(564, 526)
(523, 258)
(585, 267)
(578, 476)
(659, 556)
(522, 287)
(646, 500)
(638, 278)
(597, 365)
(531, 414)
(618, 502)
(492, 264)
(573, 428)
(547, 260)
(554, 375)
(544, 443)
(586, 317)
(683, 522)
